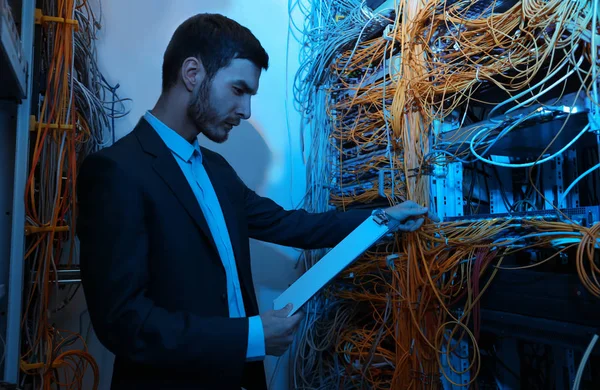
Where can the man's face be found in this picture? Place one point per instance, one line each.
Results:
(220, 103)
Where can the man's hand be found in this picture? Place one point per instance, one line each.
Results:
(410, 215)
(279, 329)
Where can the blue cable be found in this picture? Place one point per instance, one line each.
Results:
(584, 174)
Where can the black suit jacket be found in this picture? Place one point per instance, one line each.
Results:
(153, 280)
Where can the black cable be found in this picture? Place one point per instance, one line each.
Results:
(67, 300)
(112, 111)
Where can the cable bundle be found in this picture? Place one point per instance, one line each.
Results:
(98, 102)
(366, 168)
(72, 120)
(399, 314)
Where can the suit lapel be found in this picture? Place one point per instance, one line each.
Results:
(166, 167)
(169, 171)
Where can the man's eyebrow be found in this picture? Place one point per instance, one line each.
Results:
(244, 86)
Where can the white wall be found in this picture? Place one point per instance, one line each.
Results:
(267, 156)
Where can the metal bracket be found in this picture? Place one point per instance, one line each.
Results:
(497, 204)
(559, 182)
(553, 175)
(570, 173)
(449, 192)
(382, 174)
(459, 362)
(66, 276)
(380, 217)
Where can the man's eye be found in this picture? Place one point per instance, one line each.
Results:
(237, 91)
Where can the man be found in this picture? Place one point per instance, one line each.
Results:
(164, 227)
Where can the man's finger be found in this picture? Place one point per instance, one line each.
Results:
(417, 224)
(406, 226)
(285, 311)
(414, 212)
(433, 216)
(409, 204)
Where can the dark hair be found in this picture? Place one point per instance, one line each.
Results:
(215, 40)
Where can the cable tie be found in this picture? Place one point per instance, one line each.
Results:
(40, 18)
(35, 125)
(30, 229)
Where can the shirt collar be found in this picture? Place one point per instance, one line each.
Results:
(175, 142)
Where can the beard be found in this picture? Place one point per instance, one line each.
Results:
(203, 114)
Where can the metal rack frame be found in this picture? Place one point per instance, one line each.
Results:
(20, 67)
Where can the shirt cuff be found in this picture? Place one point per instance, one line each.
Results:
(256, 339)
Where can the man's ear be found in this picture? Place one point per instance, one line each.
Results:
(192, 73)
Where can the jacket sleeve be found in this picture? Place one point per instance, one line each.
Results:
(115, 276)
(267, 221)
